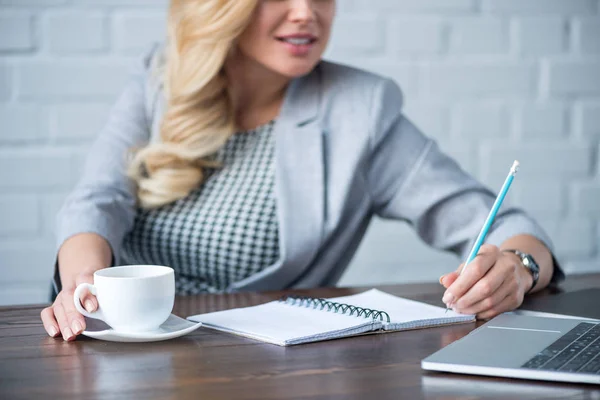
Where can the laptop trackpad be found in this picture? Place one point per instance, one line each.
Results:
(506, 341)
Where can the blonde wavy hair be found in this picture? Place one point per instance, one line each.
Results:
(199, 116)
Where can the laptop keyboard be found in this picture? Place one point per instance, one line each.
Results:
(576, 351)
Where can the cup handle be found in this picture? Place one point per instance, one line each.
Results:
(77, 299)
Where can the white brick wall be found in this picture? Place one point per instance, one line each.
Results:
(539, 36)
(67, 32)
(15, 31)
(492, 80)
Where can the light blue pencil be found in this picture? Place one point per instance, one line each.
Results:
(492, 215)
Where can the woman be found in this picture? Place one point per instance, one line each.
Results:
(254, 165)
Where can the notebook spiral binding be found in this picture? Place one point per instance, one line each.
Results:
(342, 308)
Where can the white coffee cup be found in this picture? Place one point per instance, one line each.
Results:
(133, 298)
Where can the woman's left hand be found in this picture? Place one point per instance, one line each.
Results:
(494, 282)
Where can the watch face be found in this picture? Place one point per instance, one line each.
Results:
(529, 263)
(532, 267)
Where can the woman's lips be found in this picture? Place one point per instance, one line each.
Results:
(298, 46)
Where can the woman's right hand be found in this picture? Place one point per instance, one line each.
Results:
(62, 317)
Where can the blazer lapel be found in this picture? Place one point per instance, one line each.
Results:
(300, 174)
(299, 184)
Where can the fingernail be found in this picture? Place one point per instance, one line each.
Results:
(89, 306)
(448, 298)
(52, 331)
(67, 334)
(77, 328)
(442, 279)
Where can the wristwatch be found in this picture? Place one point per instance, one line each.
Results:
(529, 263)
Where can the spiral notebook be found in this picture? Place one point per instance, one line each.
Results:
(295, 320)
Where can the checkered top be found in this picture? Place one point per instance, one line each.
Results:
(221, 233)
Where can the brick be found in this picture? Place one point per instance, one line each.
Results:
(78, 80)
(541, 122)
(26, 261)
(20, 123)
(344, 7)
(403, 74)
(597, 150)
(539, 6)
(572, 237)
(16, 31)
(24, 293)
(587, 32)
(573, 77)
(541, 35)
(484, 79)
(32, 2)
(19, 215)
(365, 34)
(35, 170)
(75, 31)
(134, 32)
(77, 121)
(479, 35)
(560, 160)
(432, 119)
(587, 116)
(5, 83)
(140, 3)
(429, 40)
(480, 120)
(587, 201)
(416, 6)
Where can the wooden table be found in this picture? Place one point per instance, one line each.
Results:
(212, 365)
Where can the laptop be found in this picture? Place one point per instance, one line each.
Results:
(526, 347)
(581, 303)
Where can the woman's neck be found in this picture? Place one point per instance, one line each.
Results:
(257, 92)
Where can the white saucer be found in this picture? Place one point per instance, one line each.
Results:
(173, 327)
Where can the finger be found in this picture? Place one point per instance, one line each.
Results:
(487, 303)
(89, 301)
(509, 303)
(63, 323)
(49, 322)
(486, 286)
(487, 248)
(470, 275)
(448, 279)
(74, 318)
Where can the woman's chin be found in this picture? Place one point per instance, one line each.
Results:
(296, 71)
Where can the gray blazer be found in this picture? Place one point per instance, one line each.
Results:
(344, 153)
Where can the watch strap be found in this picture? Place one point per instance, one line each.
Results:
(529, 263)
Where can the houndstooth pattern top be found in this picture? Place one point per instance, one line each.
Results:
(222, 232)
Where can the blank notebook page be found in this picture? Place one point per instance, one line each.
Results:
(404, 313)
(284, 324)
